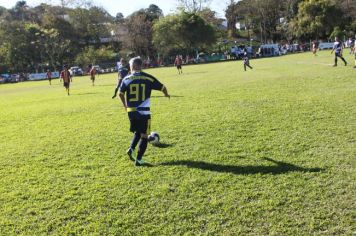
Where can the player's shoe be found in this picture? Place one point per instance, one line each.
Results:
(131, 153)
(139, 163)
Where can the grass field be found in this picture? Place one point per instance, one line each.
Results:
(267, 151)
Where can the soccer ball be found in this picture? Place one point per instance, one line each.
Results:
(155, 141)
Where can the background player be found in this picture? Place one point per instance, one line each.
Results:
(135, 93)
(49, 76)
(67, 78)
(315, 47)
(178, 63)
(123, 71)
(338, 51)
(92, 72)
(354, 51)
(246, 61)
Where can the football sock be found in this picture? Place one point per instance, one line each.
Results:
(344, 60)
(150, 138)
(141, 148)
(135, 140)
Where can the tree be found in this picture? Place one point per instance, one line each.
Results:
(119, 18)
(316, 19)
(187, 32)
(139, 25)
(193, 5)
(90, 55)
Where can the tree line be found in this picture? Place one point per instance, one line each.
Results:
(78, 32)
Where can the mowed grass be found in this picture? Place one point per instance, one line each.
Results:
(267, 151)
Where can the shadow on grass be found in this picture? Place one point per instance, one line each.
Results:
(163, 145)
(172, 96)
(106, 85)
(81, 94)
(279, 167)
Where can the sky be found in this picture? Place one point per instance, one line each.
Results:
(126, 6)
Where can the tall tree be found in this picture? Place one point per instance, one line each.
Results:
(139, 25)
(193, 5)
(187, 32)
(316, 19)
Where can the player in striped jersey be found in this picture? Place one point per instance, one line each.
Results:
(135, 93)
(338, 47)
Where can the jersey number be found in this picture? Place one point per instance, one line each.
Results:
(135, 92)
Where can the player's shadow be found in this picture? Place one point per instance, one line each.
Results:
(279, 167)
(163, 145)
(82, 94)
(172, 96)
(106, 85)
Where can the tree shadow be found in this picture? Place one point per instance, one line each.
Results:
(163, 145)
(279, 167)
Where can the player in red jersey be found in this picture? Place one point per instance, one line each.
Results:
(92, 72)
(67, 78)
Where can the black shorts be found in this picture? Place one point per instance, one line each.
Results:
(142, 126)
(66, 84)
(179, 67)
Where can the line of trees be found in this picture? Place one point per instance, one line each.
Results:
(275, 20)
(78, 32)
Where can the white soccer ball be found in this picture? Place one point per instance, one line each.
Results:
(155, 140)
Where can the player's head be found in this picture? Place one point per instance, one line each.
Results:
(123, 61)
(336, 38)
(90, 66)
(135, 64)
(65, 67)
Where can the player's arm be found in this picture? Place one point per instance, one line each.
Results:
(123, 100)
(165, 92)
(332, 49)
(123, 90)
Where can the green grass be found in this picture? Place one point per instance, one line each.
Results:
(267, 151)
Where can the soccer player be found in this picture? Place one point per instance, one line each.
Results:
(354, 50)
(338, 51)
(66, 77)
(314, 47)
(178, 63)
(246, 61)
(123, 69)
(135, 93)
(92, 72)
(49, 76)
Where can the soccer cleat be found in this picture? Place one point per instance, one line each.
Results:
(139, 163)
(334, 65)
(131, 153)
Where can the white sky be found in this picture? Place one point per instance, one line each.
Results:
(126, 6)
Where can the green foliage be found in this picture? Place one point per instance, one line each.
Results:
(265, 152)
(337, 32)
(187, 32)
(316, 19)
(91, 55)
(140, 30)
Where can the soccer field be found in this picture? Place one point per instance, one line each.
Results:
(267, 151)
